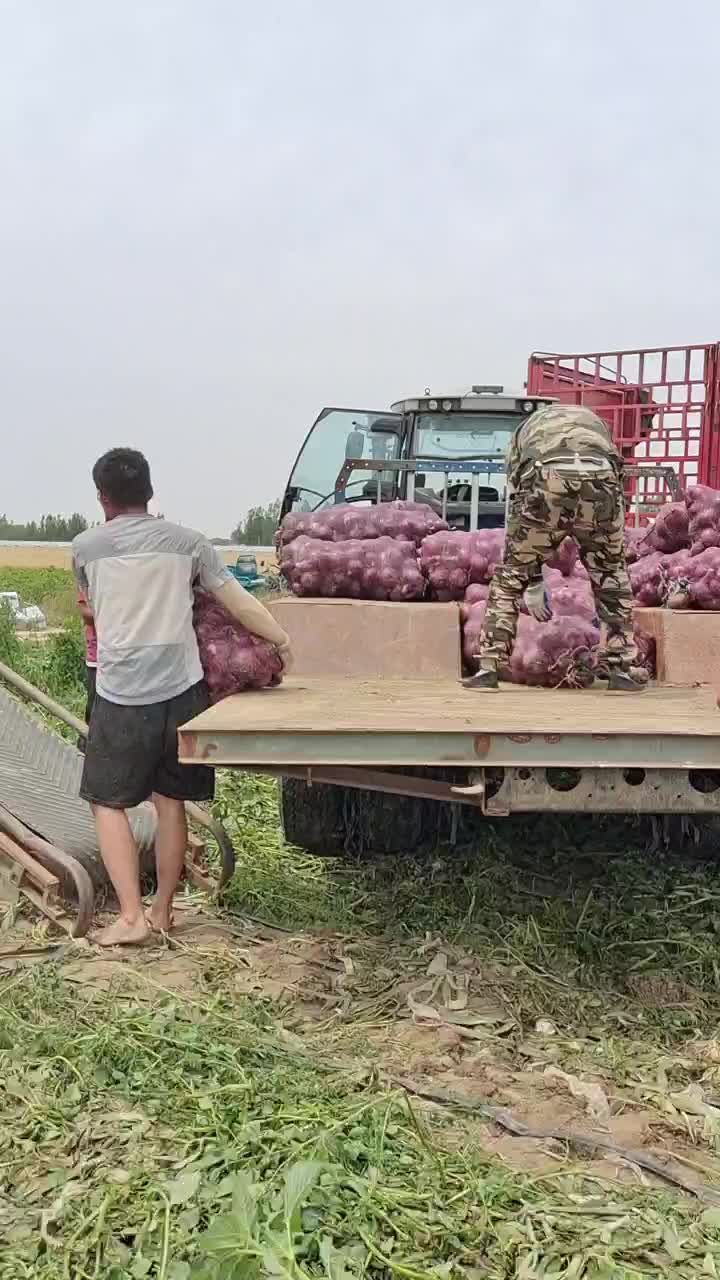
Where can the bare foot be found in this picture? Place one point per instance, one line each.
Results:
(159, 922)
(121, 933)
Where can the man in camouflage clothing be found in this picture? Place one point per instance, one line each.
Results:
(565, 473)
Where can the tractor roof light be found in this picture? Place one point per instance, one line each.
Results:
(447, 405)
(529, 406)
(432, 404)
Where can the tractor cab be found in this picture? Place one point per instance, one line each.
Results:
(448, 451)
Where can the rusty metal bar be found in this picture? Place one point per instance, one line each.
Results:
(59, 863)
(592, 790)
(393, 784)
(32, 879)
(221, 838)
(44, 878)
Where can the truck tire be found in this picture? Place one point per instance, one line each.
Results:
(312, 816)
(332, 821)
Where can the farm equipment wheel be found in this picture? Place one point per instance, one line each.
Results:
(312, 817)
(332, 821)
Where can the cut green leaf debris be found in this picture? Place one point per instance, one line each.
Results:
(218, 1113)
(189, 1139)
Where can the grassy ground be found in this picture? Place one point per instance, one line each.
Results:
(248, 1101)
(152, 1134)
(55, 663)
(51, 588)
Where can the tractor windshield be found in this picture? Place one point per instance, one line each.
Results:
(448, 436)
(451, 449)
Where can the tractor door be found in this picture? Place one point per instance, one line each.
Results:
(324, 473)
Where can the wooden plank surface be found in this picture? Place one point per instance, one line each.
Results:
(329, 639)
(444, 706)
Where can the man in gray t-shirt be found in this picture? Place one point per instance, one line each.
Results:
(138, 575)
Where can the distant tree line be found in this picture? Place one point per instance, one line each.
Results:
(258, 527)
(46, 529)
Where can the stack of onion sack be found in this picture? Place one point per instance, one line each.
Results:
(670, 531)
(549, 653)
(409, 521)
(696, 583)
(668, 535)
(635, 544)
(545, 653)
(703, 507)
(451, 562)
(366, 553)
(232, 659)
(675, 563)
(651, 576)
(364, 569)
(573, 597)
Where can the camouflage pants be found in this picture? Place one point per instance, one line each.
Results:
(548, 506)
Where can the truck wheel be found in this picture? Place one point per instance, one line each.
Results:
(333, 821)
(312, 817)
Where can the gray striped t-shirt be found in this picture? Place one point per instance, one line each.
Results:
(138, 574)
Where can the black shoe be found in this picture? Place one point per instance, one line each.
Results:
(584, 675)
(622, 682)
(485, 679)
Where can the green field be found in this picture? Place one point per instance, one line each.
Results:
(36, 585)
(53, 589)
(253, 1101)
(55, 663)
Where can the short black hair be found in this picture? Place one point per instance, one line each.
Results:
(123, 476)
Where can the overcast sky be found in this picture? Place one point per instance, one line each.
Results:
(217, 217)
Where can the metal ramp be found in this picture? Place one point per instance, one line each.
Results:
(40, 783)
(46, 827)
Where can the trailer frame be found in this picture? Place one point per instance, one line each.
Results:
(520, 750)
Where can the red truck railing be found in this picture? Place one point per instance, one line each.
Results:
(661, 403)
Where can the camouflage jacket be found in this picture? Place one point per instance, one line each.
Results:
(555, 430)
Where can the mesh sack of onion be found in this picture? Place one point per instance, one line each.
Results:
(232, 659)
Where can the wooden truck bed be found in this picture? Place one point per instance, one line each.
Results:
(437, 723)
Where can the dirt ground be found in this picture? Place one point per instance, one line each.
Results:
(427, 1021)
(52, 555)
(57, 555)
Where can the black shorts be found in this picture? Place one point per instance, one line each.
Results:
(90, 677)
(90, 674)
(133, 751)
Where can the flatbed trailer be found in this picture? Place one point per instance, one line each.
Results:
(519, 750)
(379, 754)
